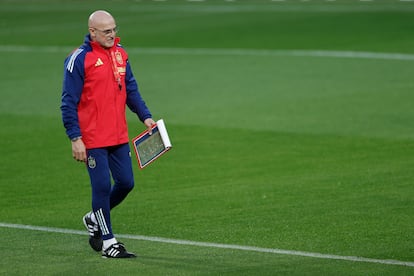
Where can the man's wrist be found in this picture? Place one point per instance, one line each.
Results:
(76, 138)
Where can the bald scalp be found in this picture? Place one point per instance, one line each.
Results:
(100, 18)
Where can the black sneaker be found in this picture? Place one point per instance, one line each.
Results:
(117, 250)
(95, 236)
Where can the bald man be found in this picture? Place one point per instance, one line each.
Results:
(98, 84)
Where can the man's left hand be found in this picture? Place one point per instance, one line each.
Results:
(149, 123)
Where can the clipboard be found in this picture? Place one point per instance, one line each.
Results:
(150, 147)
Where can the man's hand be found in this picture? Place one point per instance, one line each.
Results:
(149, 123)
(79, 150)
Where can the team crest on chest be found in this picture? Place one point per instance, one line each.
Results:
(91, 162)
(118, 57)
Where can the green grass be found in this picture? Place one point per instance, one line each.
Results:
(161, 259)
(298, 153)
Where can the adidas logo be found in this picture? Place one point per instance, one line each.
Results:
(98, 62)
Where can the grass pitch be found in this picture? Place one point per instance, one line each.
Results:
(271, 149)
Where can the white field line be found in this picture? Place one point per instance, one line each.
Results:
(221, 52)
(217, 245)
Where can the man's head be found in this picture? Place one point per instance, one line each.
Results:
(102, 28)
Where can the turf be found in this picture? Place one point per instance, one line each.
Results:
(161, 259)
(277, 151)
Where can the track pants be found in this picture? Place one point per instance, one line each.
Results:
(102, 163)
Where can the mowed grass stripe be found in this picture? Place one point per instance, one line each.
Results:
(216, 245)
(228, 52)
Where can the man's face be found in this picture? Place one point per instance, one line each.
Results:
(104, 33)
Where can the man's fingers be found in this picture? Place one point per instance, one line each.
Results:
(79, 156)
(149, 123)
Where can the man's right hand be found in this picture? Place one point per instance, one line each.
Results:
(79, 150)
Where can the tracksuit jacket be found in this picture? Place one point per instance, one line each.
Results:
(98, 84)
